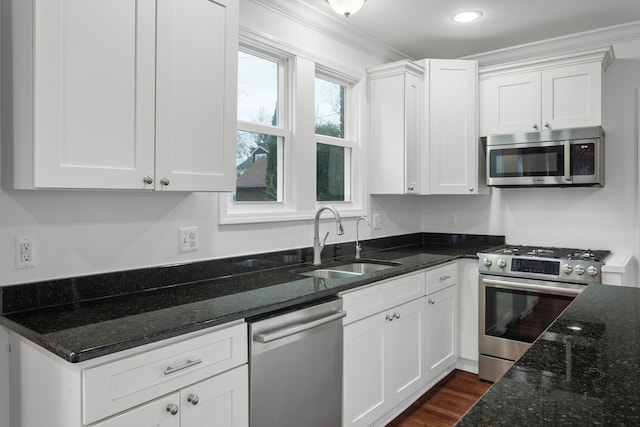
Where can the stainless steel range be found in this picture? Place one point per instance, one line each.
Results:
(523, 289)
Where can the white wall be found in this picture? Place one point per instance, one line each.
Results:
(596, 218)
(86, 232)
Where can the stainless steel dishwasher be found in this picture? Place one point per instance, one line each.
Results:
(295, 367)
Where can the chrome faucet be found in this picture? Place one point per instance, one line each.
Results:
(358, 247)
(317, 245)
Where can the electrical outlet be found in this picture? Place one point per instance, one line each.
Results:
(189, 240)
(25, 252)
(377, 221)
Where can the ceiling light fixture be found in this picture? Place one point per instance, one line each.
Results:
(467, 16)
(346, 7)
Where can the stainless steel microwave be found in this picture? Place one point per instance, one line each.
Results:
(566, 157)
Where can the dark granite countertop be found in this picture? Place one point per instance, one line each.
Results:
(584, 370)
(87, 317)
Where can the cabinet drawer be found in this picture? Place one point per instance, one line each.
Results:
(374, 299)
(124, 383)
(442, 277)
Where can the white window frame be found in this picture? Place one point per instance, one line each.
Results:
(299, 186)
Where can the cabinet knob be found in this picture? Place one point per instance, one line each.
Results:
(165, 181)
(193, 399)
(547, 125)
(471, 189)
(172, 408)
(410, 188)
(535, 126)
(389, 318)
(431, 301)
(147, 180)
(396, 316)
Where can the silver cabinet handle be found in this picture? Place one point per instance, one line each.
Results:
(147, 180)
(389, 318)
(281, 333)
(547, 125)
(447, 277)
(193, 399)
(396, 316)
(535, 126)
(165, 181)
(431, 301)
(185, 365)
(172, 408)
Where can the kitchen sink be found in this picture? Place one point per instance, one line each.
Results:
(349, 270)
(325, 273)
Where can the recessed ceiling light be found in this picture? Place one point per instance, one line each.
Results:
(467, 16)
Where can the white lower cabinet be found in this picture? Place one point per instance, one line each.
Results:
(384, 361)
(441, 331)
(186, 381)
(223, 398)
(384, 350)
(442, 320)
(400, 338)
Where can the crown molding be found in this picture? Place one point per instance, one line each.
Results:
(594, 40)
(330, 25)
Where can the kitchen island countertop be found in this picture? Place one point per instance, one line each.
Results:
(584, 370)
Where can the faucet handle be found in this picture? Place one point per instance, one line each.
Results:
(324, 240)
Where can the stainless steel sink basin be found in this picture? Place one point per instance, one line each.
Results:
(325, 273)
(349, 270)
(362, 267)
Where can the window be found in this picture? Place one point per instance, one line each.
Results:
(285, 168)
(261, 136)
(333, 151)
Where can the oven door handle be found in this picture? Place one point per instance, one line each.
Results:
(531, 287)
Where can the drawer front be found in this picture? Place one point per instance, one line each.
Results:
(122, 384)
(364, 302)
(405, 288)
(382, 296)
(442, 277)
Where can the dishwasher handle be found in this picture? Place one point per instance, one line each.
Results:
(301, 327)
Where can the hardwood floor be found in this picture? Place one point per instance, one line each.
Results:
(445, 403)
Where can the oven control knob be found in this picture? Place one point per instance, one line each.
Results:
(502, 263)
(567, 269)
(487, 262)
(593, 271)
(579, 270)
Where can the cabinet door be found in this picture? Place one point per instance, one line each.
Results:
(453, 141)
(196, 107)
(223, 398)
(365, 374)
(407, 349)
(510, 103)
(93, 94)
(441, 331)
(468, 301)
(395, 103)
(152, 414)
(572, 96)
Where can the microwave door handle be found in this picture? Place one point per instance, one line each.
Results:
(567, 160)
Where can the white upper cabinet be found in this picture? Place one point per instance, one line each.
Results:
(543, 95)
(451, 127)
(115, 94)
(395, 105)
(424, 127)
